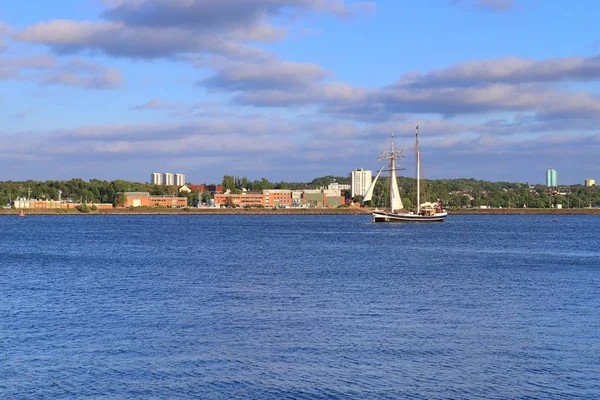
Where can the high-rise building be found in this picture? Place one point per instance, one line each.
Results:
(590, 182)
(179, 179)
(169, 179)
(551, 180)
(156, 178)
(361, 180)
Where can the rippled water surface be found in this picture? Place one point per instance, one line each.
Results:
(299, 307)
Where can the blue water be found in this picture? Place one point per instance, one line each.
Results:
(299, 307)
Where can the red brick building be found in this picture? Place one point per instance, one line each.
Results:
(278, 198)
(145, 199)
(52, 204)
(239, 200)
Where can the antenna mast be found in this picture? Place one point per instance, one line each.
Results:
(418, 157)
(393, 155)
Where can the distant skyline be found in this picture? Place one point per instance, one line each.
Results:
(295, 89)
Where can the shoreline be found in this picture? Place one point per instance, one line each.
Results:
(303, 211)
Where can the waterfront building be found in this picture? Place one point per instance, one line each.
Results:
(551, 180)
(179, 179)
(51, 204)
(320, 198)
(169, 179)
(246, 199)
(361, 180)
(589, 182)
(277, 198)
(297, 198)
(145, 199)
(156, 178)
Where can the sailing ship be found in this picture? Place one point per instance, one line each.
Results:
(426, 212)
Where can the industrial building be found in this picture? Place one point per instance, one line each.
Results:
(278, 198)
(52, 204)
(145, 199)
(322, 198)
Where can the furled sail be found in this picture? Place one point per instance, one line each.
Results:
(369, 194)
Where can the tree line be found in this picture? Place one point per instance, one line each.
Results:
(460, 193)
(237, 184)
(78, 190)
(454, 193)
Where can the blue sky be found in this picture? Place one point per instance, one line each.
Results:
(295, 89)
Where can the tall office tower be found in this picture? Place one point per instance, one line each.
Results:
(156, 178)
(169, 179)
(551, 180)
(180, 179)
(361, 180)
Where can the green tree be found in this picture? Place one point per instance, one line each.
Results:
(120, 200)
(206, 196)
(228, 182)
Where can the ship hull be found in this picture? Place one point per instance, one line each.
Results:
(382, 216)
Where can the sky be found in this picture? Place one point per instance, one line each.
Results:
(290, 90)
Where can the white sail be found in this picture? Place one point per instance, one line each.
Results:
(395, 199)
(369, 194)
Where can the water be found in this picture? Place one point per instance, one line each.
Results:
(299, 307)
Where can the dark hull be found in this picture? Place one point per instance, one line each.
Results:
(382, 216)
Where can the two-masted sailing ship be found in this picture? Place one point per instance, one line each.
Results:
(425, 212)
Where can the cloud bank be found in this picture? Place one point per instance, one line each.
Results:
(168, 28)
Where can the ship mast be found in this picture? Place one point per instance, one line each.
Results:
(418, 157)
(392, 155)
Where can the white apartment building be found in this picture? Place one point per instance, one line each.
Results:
(169, 179)
(179, 179)
(361, 180)
(156, 178)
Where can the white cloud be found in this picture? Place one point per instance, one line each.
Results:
(49, 70)
(512, 70)
(169, 28)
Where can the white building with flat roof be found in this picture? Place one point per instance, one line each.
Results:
(179, 179)
(156, 178)
(169, 179)
(361, 180)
